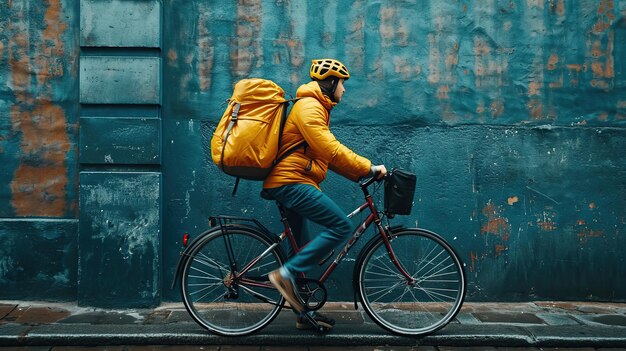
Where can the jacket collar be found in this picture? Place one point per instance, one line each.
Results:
(312, 89)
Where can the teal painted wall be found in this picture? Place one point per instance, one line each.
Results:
(511, 113)
(120, 182)
(38, 150)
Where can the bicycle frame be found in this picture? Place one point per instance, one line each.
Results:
(373, 217)
(233, 259)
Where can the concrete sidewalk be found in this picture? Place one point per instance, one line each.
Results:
(538, 324)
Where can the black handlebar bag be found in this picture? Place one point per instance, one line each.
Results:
(399, 192)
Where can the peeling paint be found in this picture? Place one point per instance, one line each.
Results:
(496, 224)
(605, 15)
(39, 184)
(499, 249)
(42, 176)
(473, 259)
(546, 222)
(528, 88)
(480, 67)
(120, 237)
(205, 51)
(247, 53)
(587, 234)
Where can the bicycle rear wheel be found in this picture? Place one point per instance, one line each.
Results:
(216, 298)
(418, 308)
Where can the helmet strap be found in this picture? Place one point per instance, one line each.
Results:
(334, 88)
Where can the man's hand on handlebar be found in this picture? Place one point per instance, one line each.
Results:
(379, 171)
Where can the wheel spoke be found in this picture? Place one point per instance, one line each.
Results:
(201, 290)
(423, 305)
(206, 274)
(213, 294)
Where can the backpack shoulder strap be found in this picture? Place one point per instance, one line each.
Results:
(282, 127)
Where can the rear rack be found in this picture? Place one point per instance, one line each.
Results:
(223, 221)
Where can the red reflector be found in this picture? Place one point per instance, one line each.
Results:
(185, 239)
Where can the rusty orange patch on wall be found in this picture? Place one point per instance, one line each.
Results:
(172, 56)
(39, 191)
(552, 61)
(536, 108)
(38, 187)
(546, 226)
(47, 61)
(19, 62)
(560, 8)
(605, 16)
(442, 92)
(534, 89)
(497, 108)
(434, 58)
(586, 234)
(248, 31)
(499, 249)
(473, 259)
(205, 54)
(496, 224)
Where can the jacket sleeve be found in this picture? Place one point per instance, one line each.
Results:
(342, 160)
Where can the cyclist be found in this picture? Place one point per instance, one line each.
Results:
(294, 181)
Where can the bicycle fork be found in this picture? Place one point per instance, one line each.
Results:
(387, 237)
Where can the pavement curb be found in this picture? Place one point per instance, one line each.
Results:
(189, 334)
(479, 324)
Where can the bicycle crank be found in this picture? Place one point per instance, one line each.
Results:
(316, 325)
(312, 294)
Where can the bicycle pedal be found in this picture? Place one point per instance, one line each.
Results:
(314, 323)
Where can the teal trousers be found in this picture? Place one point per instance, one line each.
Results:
(311, 204)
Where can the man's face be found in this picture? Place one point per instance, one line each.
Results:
(340, 90)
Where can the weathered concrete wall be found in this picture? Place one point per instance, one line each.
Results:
(120, 153)
(38, 87)
(512, 114)
(38, 149)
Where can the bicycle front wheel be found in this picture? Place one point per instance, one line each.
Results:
(221, 299)
(417, 307)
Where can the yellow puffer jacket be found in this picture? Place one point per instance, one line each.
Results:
(309, 121)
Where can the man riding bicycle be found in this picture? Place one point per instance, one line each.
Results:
(294, 181)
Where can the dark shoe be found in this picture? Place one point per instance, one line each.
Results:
(303, 323)
(285, 288)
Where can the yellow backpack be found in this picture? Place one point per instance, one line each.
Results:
(246, 141)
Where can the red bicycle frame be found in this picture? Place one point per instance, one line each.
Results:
(373, 217)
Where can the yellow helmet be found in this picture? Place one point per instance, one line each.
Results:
(324, 68)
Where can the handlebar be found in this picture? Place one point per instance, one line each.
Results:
(369, 181)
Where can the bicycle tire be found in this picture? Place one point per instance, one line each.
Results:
(207, 275)
(418, 309)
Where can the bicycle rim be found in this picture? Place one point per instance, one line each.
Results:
(412, 309)
(207, 275)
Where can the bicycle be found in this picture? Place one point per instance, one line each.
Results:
(410, 281)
